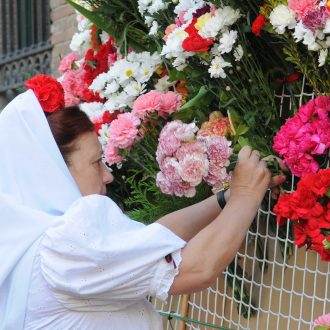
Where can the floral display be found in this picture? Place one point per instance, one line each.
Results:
(185, 161)
(199, 28)
(309, 209)
(305, 136)
(310, 22)
(305, 23)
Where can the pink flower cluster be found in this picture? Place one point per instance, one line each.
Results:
(123, 132)
(156, 101)
(305, 135)
(313, 15)
(72, 79)
(323, 320)
(185, 161)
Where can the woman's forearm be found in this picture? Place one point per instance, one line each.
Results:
(208, 253)
(187, 222)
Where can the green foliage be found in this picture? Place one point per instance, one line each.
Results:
(121, 20)
(146, 202)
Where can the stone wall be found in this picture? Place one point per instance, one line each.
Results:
(62, 29)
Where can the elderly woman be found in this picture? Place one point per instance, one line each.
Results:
(70, 259)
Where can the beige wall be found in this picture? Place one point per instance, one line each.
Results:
(62, 29)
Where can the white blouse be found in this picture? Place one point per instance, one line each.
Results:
(95, 267)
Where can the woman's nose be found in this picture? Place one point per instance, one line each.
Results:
(107, 175)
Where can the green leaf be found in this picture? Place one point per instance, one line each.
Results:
(322, 327)
(177, 75)
(241, 129)
(95, 18)
(202, 92)
(243, 141)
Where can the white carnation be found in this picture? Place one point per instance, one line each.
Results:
(227, 41)
(99, 82)
(282, 17)
(322, 56)
(327, 26)
(154, 28)
(81, 42)
(223, 17)
(93, 109)
(163, 84)
(238, 53)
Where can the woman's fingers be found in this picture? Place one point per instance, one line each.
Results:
(276, 180)
(244, 153)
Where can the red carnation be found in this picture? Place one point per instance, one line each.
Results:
(258, 24)
(195, 43)
(48, 91)
(309, 209)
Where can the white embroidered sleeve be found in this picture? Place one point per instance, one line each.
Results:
(99, 255)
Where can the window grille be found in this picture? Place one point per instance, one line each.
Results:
(24, 43)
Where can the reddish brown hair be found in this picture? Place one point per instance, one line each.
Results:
(67, 125)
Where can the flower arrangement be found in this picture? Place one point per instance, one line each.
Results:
(309, 209)
(305, 136)
(200, 29)
(186, 160)
(48, 91)
(304, 26)
(125, 80)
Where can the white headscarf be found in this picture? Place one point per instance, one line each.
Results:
(35, 187)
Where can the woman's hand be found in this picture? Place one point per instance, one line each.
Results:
(250, 178)
(277, 179)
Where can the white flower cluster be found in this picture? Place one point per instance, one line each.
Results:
(214, 25)
(126, 80)
(148, 8)
(81, 40)
(311, 25)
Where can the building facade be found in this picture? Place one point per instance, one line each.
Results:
(35, 35)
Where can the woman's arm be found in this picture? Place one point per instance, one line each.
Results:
(212, 249)
(187, 222)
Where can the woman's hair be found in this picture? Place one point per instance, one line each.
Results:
(67, 125)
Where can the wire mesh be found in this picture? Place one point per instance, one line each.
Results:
(272, 284)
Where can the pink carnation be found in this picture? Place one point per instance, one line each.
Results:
(178, 188)
(218, 148)
(73, 84)
(68, 62)
(315, 18)
(217, 175)
(322, 320)
(147, 103)
(157, 101)
(111, 154)
(305, 135)
(193, 168)
(170, 167)
(301, 6)
(123, 131)
(190, 148)
(171, 102)
(186, 132)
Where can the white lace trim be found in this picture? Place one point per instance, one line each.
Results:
(165, 275)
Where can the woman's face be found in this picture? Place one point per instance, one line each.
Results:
(86, 166)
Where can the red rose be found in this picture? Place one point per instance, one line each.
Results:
(48, 91)
(195, 43)
(258, 24)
